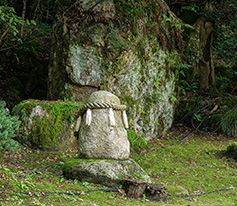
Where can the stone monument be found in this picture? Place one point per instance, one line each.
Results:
(103, 144)
(102, 133)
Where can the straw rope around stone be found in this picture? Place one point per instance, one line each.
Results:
(101, 105)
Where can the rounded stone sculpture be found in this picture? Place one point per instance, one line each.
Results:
(102, 133)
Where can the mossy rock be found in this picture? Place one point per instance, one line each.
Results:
(101, 171)
(136, 141)
(232, 150)
(47, 125)
(124, 47)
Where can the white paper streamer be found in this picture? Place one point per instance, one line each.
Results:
(88, 117)
(125, 119)
(111, 117)
(78, 124)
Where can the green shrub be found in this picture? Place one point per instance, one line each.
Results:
(8, 125)
(229, 123)
(136, 141)
(232, 150)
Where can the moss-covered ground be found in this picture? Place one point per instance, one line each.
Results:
(194, 167)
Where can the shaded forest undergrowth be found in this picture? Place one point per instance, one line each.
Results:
(193, 168)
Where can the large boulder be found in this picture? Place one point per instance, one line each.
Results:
(47, 125)
(128, 48)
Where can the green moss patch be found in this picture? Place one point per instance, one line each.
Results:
(136, 141)
(53, 129)
(76, 161)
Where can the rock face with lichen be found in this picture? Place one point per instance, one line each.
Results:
(125, 47)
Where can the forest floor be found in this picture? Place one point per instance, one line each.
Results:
(194, 172)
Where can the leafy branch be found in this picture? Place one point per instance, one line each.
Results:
(10, 22)
(175, 22)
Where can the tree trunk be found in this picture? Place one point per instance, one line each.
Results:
(206, 67)
(201, 41)
(136, 189)
(23, 16)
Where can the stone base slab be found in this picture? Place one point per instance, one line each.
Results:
(106, 172)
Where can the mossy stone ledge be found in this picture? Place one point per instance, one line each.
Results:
(106, 172)
(47, 125)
